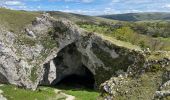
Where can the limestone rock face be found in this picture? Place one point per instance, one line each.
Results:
(13, 69)
(53, 49)
(78, 49)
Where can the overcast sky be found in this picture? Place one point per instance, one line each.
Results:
(90, 7)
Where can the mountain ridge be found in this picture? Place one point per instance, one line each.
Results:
(139, 16)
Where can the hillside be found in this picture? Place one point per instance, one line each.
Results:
(79, 18)
(139, 16)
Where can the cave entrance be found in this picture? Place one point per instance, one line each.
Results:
(70, 70)
(78, 81)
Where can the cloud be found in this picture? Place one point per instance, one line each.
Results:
(79, 1)
(128, 6)
(167, 6)
(85, 12)
(133, 1)
(84, 1)
(13, 3)
(116, 1)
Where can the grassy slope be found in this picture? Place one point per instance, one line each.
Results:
(139, 16)
(47, 93)
(129, 37)
(43, 93)
(118, 42)
(16, 20)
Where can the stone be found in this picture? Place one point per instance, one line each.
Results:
(161, 94)
(30, 33)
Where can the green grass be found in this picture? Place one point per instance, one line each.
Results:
(47, 93)
(42, 93)
(119, 43)
(80, 93)
(25, 40)
(14, 20)
(158, 55)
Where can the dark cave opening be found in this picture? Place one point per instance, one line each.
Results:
(70, 70)
(78, 81)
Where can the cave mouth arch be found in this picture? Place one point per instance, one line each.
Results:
(68, 69)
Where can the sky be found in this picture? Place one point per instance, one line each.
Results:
(89, 7)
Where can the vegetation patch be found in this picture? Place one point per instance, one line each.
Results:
(49, 40)
(156, 68)
(42, 93)
(158, 55)
(25, 40)
(34, 74)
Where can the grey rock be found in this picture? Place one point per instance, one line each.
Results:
(30, 33)
(161, 94)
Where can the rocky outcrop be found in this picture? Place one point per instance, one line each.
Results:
(50, 50)
(13, 69)
(150, 81)
(77, 48)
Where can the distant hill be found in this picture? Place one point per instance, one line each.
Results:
(139, 16)
(77, 17)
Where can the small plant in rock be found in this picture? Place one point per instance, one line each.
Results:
(34, 75)
(155, 68)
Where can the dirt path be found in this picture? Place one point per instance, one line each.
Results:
(68, 97)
